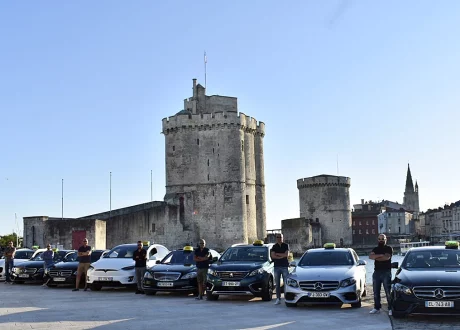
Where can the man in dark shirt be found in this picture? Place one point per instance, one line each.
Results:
(140, 257)
(382, 273)
(84, 260)
(201, 257)
(279, 254)
(9, 259)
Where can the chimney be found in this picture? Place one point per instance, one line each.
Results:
(194, 88)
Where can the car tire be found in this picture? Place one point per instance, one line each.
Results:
(95, 287)
(290, 304)
(51, 285)
(210, 296)
(18, 282)
(150, 293)
(398, 315)
(364, 292)
(267, 295)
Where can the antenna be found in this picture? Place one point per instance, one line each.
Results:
(205, 62)
(110, 210)
(337, 164)
(62, 206)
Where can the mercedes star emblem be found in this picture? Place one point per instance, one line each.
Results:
(439, 293)
(318, 286)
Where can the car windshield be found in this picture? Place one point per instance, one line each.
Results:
(432, 259)
(246, 253)
(179, 257)
(123, 251)
(327, 258)
(23, 254)
(96, 255)
(58, 256)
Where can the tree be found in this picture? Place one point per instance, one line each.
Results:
(8, 238)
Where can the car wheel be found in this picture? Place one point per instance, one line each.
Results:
(268, 292)
(290, 304)
(150, 293)
(51, 285)
(211, 296)
(95, 287)
(398, 315)
(18, 282)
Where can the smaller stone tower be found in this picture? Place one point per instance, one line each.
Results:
(411, 200)
(326, 199)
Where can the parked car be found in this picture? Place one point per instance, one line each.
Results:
(116, 268)
(428, 281)
(65, 272)
(327, 275)
(32, 270)
(243, 269)
(20, 256)
(175, 273)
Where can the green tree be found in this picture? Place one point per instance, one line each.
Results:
(7, 238)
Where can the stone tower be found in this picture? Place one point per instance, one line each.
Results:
(215, 170)
(411, 201)
(326, 199)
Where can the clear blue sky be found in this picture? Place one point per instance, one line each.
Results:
(84, 86)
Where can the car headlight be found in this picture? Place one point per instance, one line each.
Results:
(189, 275)
(292, 283)
(348, 282)
(90, 268)
(402, 288)
(128, 268)
(14, 269)
(257, 271)
(148, 275)
(212, 272)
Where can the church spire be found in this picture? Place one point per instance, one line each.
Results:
(409, 183)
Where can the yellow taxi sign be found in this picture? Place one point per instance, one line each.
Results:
(452, 245)
(55, 249)
(258, 242)
(329, 246)
(188, 248)
(146, 243)
(35, 247)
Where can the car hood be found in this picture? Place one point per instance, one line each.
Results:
(16, 261)
(236, 266)
(329, 273)
(31, 264)
(428, 277)
(172, 268)
(113, 263)
(65, 265)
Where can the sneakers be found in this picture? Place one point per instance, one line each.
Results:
(390, 312)
(199, 298)
(374, 311)
(277, 301)
(76, 290)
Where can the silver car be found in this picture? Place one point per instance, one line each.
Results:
(328, 275)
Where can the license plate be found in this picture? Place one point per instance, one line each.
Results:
(105, 279)
(23, 275)
(168, 284)
(230, 283)
(59, 279)
(318, 294)
(442, 304)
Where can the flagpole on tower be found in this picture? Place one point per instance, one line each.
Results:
(205, 62)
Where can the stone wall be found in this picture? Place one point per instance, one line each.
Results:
(34, 230)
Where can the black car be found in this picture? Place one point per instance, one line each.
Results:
(65, 272)
(243, 269)
(428, 281)
(32, 270)
(176, 272)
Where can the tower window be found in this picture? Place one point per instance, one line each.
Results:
(247, 199)
(174, 148)
(208, 162)
(213, 192)
(153, 227)
(198, 141)
(242, 145)
(213, 150)
(208, 177)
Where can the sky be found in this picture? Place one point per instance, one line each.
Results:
(355, 88)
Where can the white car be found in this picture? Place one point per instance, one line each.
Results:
(116, 268)
(327, 276)
(21, 255)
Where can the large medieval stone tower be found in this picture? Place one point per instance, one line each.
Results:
(215, 170)
(411, 200)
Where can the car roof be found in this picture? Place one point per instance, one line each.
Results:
(324, 249)
(25, 249)
(250, 245)
(430, 248)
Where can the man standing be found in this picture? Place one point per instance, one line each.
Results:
(9, 257)
(201, 257)
(48, 258)
(382, 273)
(140, 257)
(84, 260)
(279, 254)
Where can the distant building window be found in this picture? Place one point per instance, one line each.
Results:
(367, 232)
(247, 199)
(399, 230)
(198, 141)
(399, 221)
(208, 162)
(367, 223)
(153, 227)
(317, 219)
(242, 145)
(353, 231)
(373, 222)
(208, 177)
(354, 223)
(174, 148)
(373, 231)
(360, 223)
(213, 192)
(213, 150)
(360, 231)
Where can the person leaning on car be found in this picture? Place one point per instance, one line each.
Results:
(9, 258)
(140, 257)
(84, 260)
(201, 257)
(382, 272)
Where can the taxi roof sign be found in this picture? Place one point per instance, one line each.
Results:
(452, 245)
(188, 248)
(146, 243)
(258, 242)
(329, 246)
(55, 249)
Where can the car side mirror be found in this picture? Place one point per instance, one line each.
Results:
(158, 262)
(214, 259)
(292, 264)
(394, 265)
(362, 262)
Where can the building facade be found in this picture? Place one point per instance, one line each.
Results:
(395, 222)
(365, 222)
(443, 223)
(411, 198)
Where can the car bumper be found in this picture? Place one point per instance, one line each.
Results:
(56, 280)
(30, 277)
(112, 278)
(409, 304)
(250, 286)
(346, 295)
(188, 285)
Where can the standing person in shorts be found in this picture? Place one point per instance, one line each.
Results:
(84, 258)
(201, 257)
(140, 258)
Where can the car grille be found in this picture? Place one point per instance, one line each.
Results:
(231, 276)
(167, 276)
(60, 273)
(30, 270)
(319, 285)
(437, 292)
(106, 270)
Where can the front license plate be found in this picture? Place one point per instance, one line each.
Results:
(442, 304)
(318, 294)
(230, 283)
(167, 284)
(24, 275)
(59, 279)
(105, 279)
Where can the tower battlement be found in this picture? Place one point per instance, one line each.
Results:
(323, 181)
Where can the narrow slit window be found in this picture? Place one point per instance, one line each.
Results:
(174, 148)
(198, 141)
(247, 199)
